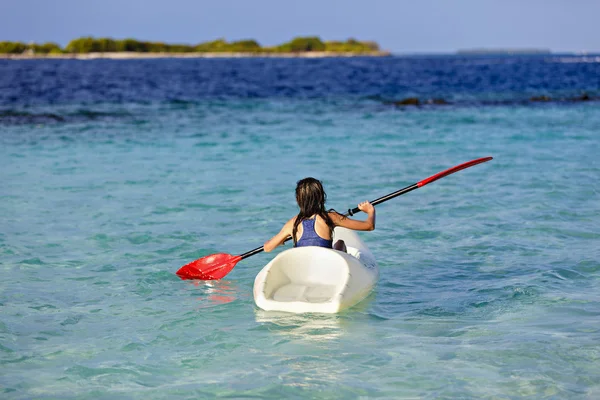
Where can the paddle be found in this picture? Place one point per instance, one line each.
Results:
(216, 266)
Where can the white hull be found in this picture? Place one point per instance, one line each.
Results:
(315, 279)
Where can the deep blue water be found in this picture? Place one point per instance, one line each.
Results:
(53, 82)
(117, 172)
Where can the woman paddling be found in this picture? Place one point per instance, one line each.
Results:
(313, 226)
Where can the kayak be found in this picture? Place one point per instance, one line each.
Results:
(317, 279)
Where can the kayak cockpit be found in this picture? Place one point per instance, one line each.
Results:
(311, 274)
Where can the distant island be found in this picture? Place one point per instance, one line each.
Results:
(484, 51)
(90, 47)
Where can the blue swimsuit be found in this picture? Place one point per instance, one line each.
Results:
(310, 236)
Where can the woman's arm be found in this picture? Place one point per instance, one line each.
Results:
(366, 225)
(278, 239)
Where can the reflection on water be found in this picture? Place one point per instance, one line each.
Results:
(215, 293)
(313, 327)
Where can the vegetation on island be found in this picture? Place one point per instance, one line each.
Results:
(20, 48)
(85, 45)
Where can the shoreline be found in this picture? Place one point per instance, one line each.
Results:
(139, 55)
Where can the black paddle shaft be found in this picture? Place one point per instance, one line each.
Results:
(387, 197)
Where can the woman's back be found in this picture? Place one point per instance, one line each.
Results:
(313, 231)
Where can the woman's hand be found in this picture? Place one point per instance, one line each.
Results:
(366, 207)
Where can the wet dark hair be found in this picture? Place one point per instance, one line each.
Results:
(311, 199)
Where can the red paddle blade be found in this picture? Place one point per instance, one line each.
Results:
(207, 268)
(452, 170)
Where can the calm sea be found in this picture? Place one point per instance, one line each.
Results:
(114, 173)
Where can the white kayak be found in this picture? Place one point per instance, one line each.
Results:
(316, 279)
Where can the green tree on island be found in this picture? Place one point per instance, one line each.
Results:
(302, 44)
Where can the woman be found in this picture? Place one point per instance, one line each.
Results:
(313, 226)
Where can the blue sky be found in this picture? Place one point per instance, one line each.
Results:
(413, 26)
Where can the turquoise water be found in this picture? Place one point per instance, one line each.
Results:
(489, 283)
